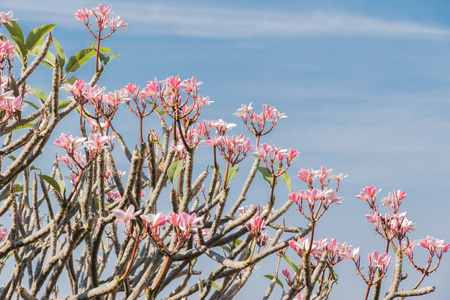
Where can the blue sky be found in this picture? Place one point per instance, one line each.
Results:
(365, 86)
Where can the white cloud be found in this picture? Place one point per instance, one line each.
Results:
(228, 22)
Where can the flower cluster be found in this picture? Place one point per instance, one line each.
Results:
(257, 124)
(9, 104)
(74, 160)
(232, 148)
(313, 197)
(103, 18)
(276, 160)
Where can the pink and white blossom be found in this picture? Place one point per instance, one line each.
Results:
(127, 216)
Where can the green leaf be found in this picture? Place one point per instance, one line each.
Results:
(49, 59)
(33, 168)
(17, 188)
(36, 36)
(79, 59)
(174, 170)
(159, 111)
(193, 262)
(232, 172)
(71, 80)
(31, 104)
(85, 115)
(21, 47)
(62, 184)
(278, 280)
(17, 36)
(27, 125)
(64, 103)
(266, 175)
(15, 30)
(108, 59)
(40, 95)
(289, 261)
(52, 182)
(102, 53)
(335, 275)
(287, 179)
(226, 248)
(60, 53)
(214, 285)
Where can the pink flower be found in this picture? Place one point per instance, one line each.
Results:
(151, 89)
(189, 223)
(7, 49)
(174, 219)
(96, 141)
(130, 88)
(5, 96)
(380, 260)
(73, 178)
(433, 245)
(68, 142)
(221, 126)
(94, 95)
(83, 13)
(349, 253)
(154, 220)
(373, 218)
(102, 10)
(6, 18)
(331, 196)
(368, 193)
(408, 247)
(190, 85)
(127, 216)
(244, 110)
(292, 154)
(16, 104)
(113, 196)
(307, 175)
(294, 197)
(173, 82)
(3, 233)
(65, 159)
(214, 141)
(119, 23)
(116, 98)
(388, 201)
(324, 173)
(153, 85)
(287, 274)
(95, 125)
(202, 101)
(301, 245)
(257, 224)
(312, 196)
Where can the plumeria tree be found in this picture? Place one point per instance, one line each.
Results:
(104, 235)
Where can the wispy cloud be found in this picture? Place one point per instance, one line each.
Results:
(230, 22)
